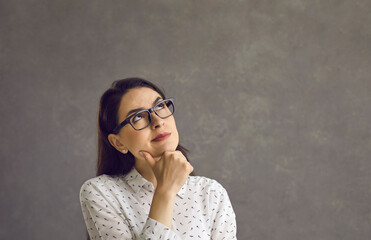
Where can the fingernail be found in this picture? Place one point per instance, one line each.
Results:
(141, 153)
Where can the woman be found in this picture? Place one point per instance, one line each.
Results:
(143, 189)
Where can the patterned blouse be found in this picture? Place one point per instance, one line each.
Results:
(118, 207)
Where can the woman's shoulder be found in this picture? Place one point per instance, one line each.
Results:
(205, 183)
(102, 179)
(98, 184)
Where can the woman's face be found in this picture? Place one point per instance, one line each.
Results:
(143, 140)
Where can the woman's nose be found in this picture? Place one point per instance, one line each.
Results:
(156, 121)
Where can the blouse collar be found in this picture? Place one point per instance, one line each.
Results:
(137, 181)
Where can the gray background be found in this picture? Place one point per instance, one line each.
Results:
(273, 99)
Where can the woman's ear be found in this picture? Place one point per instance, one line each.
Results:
(115, 142)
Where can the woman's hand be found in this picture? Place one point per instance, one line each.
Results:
(171, 170)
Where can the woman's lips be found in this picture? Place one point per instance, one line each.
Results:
(161, 137)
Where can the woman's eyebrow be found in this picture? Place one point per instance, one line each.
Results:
(138, 109)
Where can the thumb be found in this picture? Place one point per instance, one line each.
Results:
(148, 157)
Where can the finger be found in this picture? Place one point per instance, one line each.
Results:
(189, 168)
(148, 157)
(175, 154)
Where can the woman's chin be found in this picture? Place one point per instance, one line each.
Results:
(159, 150)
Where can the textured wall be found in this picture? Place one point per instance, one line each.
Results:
(273, 98)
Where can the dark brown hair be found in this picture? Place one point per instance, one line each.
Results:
(110, 160)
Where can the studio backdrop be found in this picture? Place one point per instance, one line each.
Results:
(272, 98)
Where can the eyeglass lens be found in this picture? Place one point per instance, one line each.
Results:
(141, 119)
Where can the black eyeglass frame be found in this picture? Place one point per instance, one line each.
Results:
(127, 120)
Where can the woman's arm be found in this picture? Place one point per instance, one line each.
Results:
(102, 219)
(105, 219)
(224, 219)
(171, 172)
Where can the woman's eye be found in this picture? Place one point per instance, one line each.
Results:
(160, 106)
(136, 118)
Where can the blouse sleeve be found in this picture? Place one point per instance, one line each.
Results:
(224, 223)
(104, 221)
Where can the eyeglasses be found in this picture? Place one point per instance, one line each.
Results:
(143, 119)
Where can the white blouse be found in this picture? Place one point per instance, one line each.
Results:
(118, 207)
